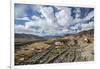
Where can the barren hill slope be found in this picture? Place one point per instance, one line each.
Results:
(70, 48)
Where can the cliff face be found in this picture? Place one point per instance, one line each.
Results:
(70, 48)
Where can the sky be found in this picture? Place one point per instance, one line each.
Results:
(51, 20)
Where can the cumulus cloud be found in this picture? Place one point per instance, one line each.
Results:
(88, 26)
(64, 17)
(48, 13)
(24, 18)
(89, 16)
(77, 12)
(19, 28)
(82, 24)
(51, 23)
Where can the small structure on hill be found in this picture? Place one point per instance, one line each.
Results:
(87, 40)
(58, 43)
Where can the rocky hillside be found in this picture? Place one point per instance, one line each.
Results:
(71, 48)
